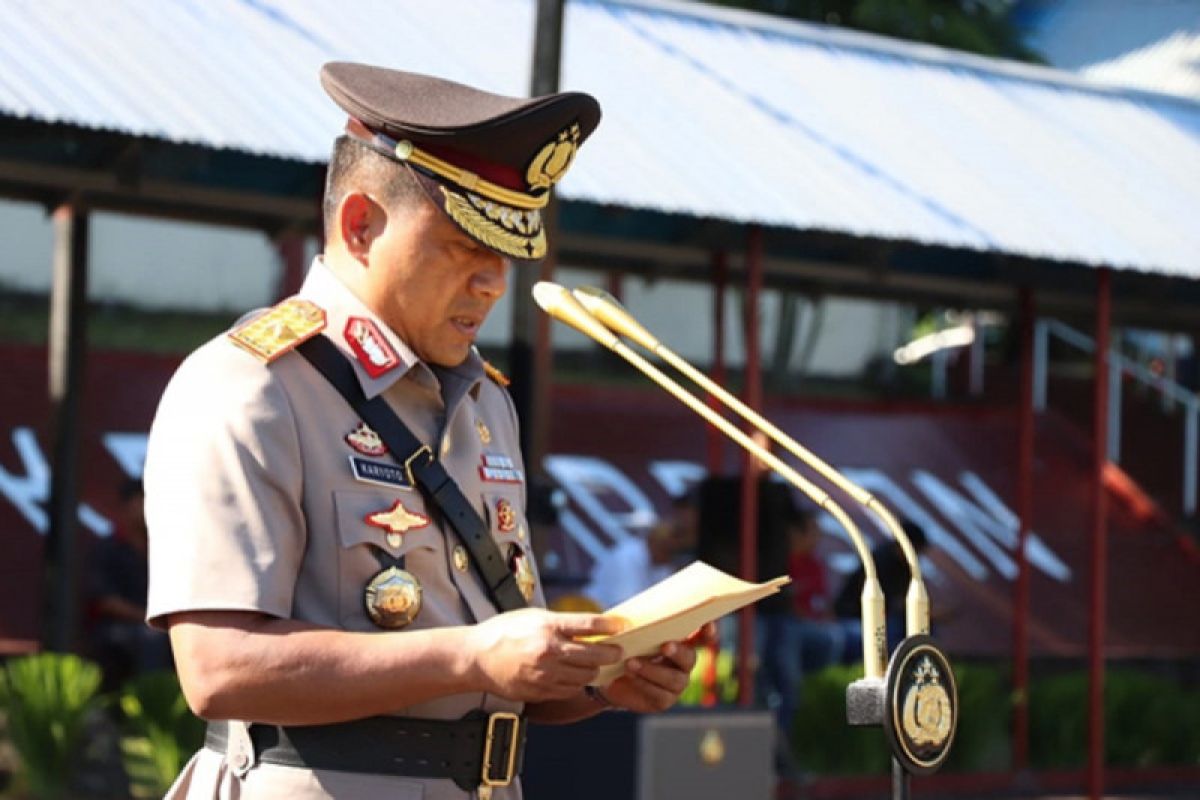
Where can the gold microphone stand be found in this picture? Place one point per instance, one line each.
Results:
(559, 303)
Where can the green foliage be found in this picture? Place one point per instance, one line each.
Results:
(983, 740)
(47, 699)
(976, 26)
(823, 741)
(160, 732)
(1148, 721)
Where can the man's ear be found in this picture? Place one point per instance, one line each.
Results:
(357, 222)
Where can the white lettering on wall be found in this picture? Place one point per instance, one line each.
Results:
(29, 489)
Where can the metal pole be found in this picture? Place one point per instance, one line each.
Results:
(901, 781)
(1099, 593)
(68, 345)
(1041, 348)
(1189, 456)
(1114, 406)
(937, 375)
(751, 473)
(715, 442)
(1025, 447)
(977, 357)
(529, 361)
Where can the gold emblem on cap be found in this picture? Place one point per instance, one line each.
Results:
(485, 436)
(926, 715)
(279, 329)
(460, 558)
(554, 159)
(393, 598)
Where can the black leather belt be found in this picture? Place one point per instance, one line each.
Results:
(477, 750)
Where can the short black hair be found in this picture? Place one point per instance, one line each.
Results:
(354, 165)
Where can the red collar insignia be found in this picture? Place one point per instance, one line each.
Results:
(370, 346)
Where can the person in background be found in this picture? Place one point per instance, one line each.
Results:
(121, 642)
(815, 632)
(894, 578)
(638, 563)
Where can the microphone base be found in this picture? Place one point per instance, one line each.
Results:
(864, 702)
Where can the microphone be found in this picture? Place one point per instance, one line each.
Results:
(608, 310)
(559, 303)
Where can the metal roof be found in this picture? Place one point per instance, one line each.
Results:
(708, 112)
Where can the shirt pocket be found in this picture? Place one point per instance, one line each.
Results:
(378, 529)
(505, 515)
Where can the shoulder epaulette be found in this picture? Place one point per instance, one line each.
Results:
(496, 375)
(279, 329)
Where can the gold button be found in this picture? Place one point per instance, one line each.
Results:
(460, 558)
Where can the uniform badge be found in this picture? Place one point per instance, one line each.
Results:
(485, 436)
(393, 598)
(370, 346)
(279, 329)
(396, 521)
(460, 558)
(496, 468)
(366, 441)
(379, 473)
(521, 568)
(506, 518)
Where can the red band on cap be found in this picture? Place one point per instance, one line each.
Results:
(500, 174)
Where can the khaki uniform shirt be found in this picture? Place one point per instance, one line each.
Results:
(252, 506)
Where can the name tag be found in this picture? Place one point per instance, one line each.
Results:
(377, 473)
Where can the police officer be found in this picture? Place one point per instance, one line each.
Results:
(330, 608)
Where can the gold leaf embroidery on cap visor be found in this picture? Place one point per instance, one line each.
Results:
(511, 231)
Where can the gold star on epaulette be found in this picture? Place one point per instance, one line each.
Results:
(279, 329)
(496, 375)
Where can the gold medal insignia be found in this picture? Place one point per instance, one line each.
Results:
(393, 598)
(396, 521)
(522, 569)
(460, 558)
(366, 441)
(485, 436)
(926, 716)
(506, 518)
(279, 329)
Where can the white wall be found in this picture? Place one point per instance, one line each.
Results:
(159, 265)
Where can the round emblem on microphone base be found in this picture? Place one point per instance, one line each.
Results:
(920, 705)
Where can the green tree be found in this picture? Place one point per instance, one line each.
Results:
(985, 27)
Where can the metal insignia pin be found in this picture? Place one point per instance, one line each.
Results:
(485, 435)
(392, 598)
(460, 558)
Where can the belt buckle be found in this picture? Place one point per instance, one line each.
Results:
(487, 782)
(410, 462)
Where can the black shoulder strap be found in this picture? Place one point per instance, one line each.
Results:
(423, 469)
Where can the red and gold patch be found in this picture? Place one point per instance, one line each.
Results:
(506, 517)
(366, 441)
(370, 346)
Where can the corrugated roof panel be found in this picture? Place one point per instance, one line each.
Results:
(708, 113)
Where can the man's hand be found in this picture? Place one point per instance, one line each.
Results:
(654, 684)
(532, 655)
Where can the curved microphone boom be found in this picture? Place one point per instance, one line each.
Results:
(608, 310)
(559, 303)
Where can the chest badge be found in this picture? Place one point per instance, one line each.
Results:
(485, 435)
(366, 441)
(370, 346)
(460, 558)
(506, 517)
(396, 521)
(393, 598)
(522, 569)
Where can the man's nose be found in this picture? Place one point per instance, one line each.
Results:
(491, 277)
